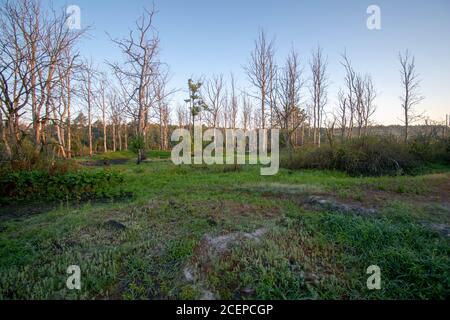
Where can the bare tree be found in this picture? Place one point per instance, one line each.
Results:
(234, 107)
(164, 123)
(359, 99)
(256, 118)
(62, 110)
(182, 116)
(350, 97)
(411, 96)
(342, 112)
(246, 112)
(88, 94)
(214, 95)
(318, 65)
(123, 102)
(34, 42)
(140, 69)
(103, 107)
(15, 70)
(359, 107)
(289, 115)
(226, 111)
(273, 71)
(4, 134)
(330, 124)
(162, 108)
(260, 71)
(115, 114)
(369, 97)
(55, 47)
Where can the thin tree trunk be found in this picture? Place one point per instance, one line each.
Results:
(89, 116)
(126, 137)
(119, 133)
(105, 147)
(114, 136)
(4, 137)
(69, 120)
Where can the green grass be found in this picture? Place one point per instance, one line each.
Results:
(110, 156)
(159, 154)
(119, 155)
(307, 253)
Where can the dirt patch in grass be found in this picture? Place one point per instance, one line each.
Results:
(339, 206)
(440, 193)
(242, 265)
(220, 244)
(442, 229)
(431, 207)
(435, 204)
(380, 198)
(434, 189)
(215, 247)
(325, 202)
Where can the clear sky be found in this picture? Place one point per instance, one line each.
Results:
(201, 37)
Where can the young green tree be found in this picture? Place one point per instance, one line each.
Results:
(196, 103)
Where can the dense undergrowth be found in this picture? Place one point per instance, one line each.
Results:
(40, 185)
(373, 156)
(59, 180)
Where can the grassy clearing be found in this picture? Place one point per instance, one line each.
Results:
(307, 253)
(128, 155)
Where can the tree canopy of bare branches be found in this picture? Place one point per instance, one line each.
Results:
(34, 44)
(356, 103)
(140, 68)
(289, 115)
(214, 93)
(260, 72)
(411, 96)
(319, 90)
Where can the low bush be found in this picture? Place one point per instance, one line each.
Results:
(447, 152)
(372, 156)
(72, 185)
(137, 145)
(430, 149)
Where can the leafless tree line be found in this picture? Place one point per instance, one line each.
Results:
(43, 77)
(355, 101)
(37, 60)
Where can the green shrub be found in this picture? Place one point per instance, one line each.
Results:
(447, 151)
(430, 149)
(136, 144)
(366, 156)
(371, 156)
(74, 185)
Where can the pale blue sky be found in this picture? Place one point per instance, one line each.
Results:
(201, 37)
